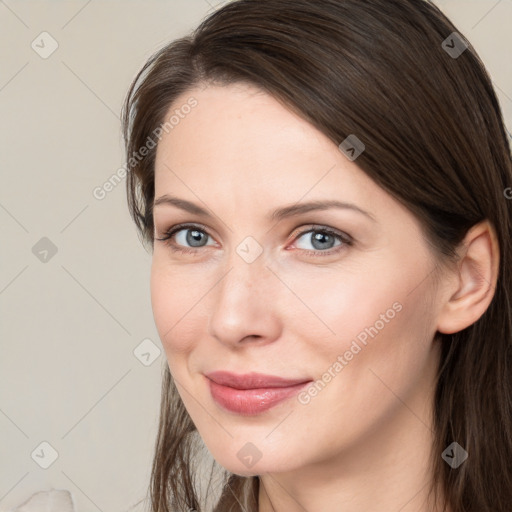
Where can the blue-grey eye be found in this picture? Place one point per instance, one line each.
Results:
(193, 237)
(320, 239)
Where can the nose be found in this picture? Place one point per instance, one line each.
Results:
(244, 303)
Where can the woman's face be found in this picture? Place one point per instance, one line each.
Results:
(352, 309)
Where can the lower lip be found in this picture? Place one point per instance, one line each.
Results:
(251, 401)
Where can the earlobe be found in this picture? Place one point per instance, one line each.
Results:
(475, 283)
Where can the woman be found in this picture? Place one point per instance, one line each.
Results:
(322, 186)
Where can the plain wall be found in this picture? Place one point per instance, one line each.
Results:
(70, 324)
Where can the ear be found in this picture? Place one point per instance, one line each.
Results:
(474, 281)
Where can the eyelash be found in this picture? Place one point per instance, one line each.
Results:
(346, 239)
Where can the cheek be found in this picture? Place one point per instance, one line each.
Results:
(336, 308)
(180, 302)
(171, 299)
(365, 388)
(387, 359)
(381, 340)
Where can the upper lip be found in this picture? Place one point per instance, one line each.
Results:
(252, 380)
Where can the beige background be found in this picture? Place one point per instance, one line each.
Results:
(69, 325)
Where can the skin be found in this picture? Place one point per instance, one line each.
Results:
(363, 442)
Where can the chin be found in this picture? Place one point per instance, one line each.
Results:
(262, 466)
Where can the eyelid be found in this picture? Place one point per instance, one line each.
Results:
(300, 231)
(345, 238)
(169, 233)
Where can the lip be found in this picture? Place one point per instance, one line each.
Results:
(252, 393)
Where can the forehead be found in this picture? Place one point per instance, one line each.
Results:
(238, 123)
(245, 142)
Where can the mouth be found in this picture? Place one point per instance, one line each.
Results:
(251, 394)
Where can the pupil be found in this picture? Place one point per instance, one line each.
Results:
(322, 238)
(195, 237)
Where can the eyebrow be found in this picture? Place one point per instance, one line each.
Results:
(277, 215)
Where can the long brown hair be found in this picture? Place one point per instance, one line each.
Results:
(424, 106)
